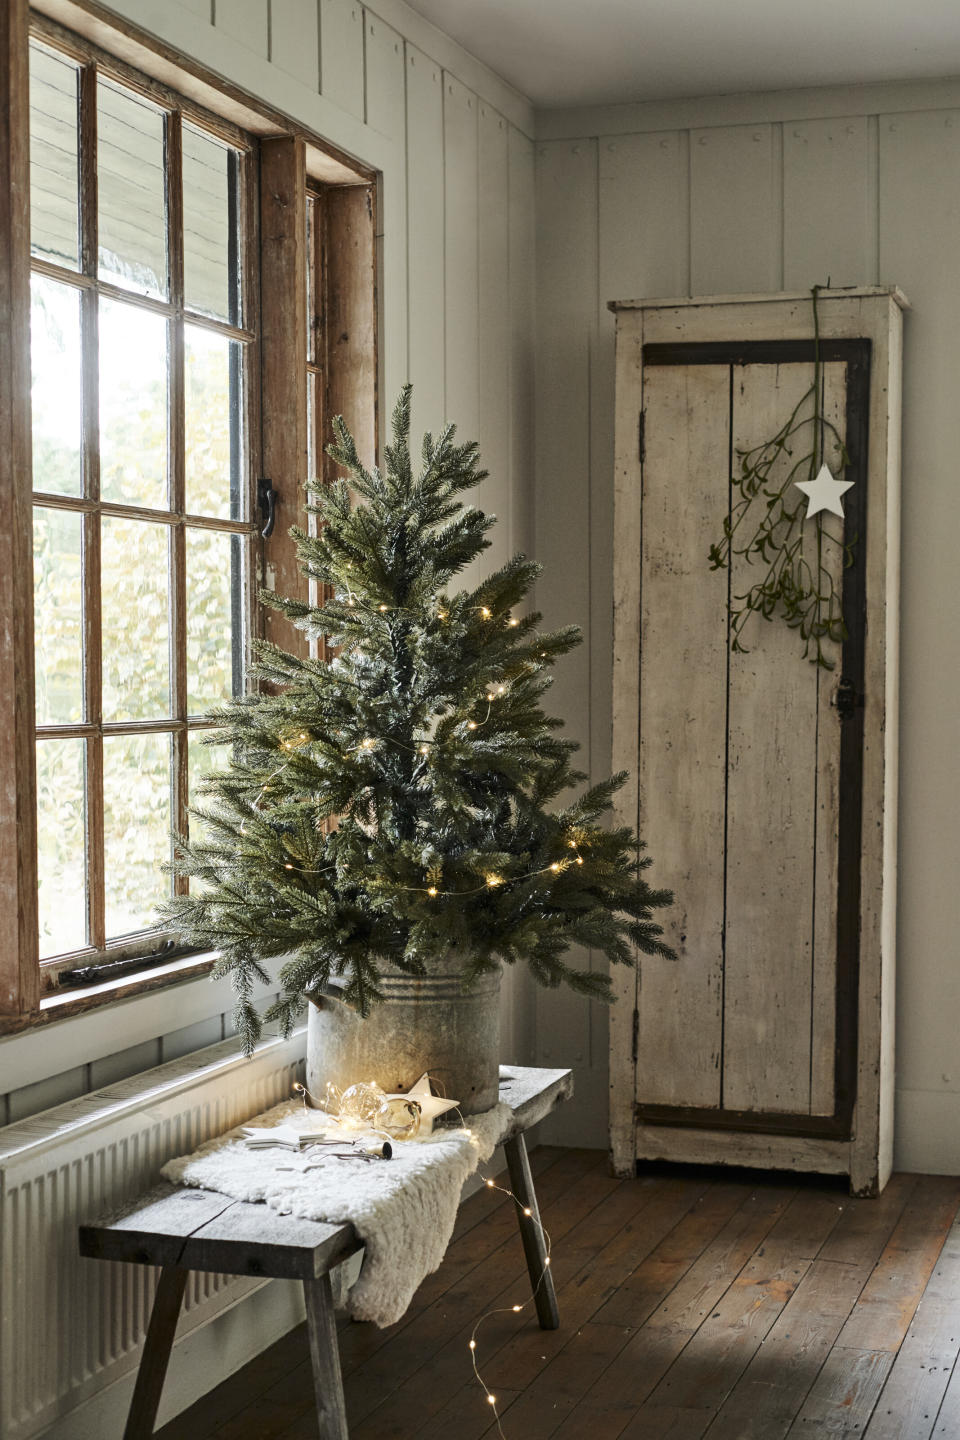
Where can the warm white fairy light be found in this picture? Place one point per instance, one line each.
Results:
(528, 1214)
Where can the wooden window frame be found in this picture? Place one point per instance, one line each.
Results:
(277, 407)
(86, 962)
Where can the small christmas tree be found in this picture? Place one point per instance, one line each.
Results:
(401, 798)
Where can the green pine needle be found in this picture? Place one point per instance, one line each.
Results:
(404, 799)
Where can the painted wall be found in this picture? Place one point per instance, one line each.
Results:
(452, 143)
(763, 193)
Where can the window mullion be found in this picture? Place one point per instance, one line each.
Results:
(177, 470)
(92, 602)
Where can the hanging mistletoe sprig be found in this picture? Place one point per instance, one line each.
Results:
(797, 583)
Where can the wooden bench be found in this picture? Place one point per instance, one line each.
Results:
(182, 1229)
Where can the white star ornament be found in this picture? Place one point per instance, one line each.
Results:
(824, 492)
(431, 1106)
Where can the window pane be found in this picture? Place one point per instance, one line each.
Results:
(130, 188)
(55, 395)
(58, 615)
(204, 760)
(134, 585)
(60, 845)
(133, 405)
(214, 424)
(136, 828)
(53, 158)
(214, 657)
(210, 225)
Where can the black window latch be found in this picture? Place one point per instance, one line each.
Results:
(267, 499)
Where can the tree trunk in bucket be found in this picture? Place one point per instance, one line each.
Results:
(425, 1023)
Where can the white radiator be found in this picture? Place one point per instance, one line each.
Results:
(70, 1326)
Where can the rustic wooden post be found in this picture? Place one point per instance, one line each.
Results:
(19, 970)
(531, 1233)
(156, 1353)
(325, 1358)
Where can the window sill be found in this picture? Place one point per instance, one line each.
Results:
(103, 1019)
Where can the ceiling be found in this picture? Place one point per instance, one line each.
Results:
(598, 52)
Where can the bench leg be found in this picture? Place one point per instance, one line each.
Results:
(325, 1359)
(156, 1353)
(541, 1276)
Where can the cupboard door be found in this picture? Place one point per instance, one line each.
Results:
(749, 775)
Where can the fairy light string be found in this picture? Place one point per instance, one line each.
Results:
(422, 747)
(527, 1216)
(534, 1220)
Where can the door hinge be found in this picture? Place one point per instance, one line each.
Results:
(642, 436)
(635, 1046)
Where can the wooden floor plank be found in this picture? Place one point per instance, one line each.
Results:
(442, 1331)
(844, 1394)
(681, 1238)
(947, 1425)
(641, 1364)
(910, 1401)
(583, 1243)
(694, 1306)
(883, 1312)
(775, 1384)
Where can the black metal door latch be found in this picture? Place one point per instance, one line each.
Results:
(846, 699)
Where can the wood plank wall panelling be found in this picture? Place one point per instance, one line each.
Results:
(461, 170)
(865, 198)
(566, 211)
(455, 225)
(425, 239)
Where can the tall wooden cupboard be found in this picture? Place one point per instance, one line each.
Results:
(764, 784)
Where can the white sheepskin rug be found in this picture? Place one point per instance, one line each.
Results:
(403, 1209)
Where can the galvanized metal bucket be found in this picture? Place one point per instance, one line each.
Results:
(425, 1023)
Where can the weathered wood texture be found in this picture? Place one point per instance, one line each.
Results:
(777, 897)
(325, 1359)
(682, 761)
(739, 764)
(19, 978)
(350, 315)
(691, 1307)
(184, 1229)
(283, 348)
(159, 1342)
(532, 1233)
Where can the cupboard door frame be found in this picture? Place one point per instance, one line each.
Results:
(863, 328)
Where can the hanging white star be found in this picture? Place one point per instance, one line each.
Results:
(824, 492)
(430, 1105)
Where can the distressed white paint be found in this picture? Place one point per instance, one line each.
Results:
(777, 999)
(870, 194)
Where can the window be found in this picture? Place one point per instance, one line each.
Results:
(143, 355)
(159, 284)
